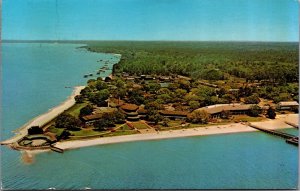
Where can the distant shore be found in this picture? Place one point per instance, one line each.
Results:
(278, 123)
(45, 118)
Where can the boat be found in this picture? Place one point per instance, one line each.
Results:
(90, 74)
(86, 75)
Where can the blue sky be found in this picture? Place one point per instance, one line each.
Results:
(202, 20)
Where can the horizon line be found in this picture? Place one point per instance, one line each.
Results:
(28, 40)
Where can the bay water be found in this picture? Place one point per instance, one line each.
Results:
(34, 79)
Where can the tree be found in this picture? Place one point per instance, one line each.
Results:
(119, 83)
(119, 117)
(180, 93)
(100, 85)
(271, 113)
(153, 105)
(64, 135)
(221, 92)
(33, 130)
(255, 111)
(194, 104)
(163, 91)
(165, 97)
(86, 91)
(184, 84)
(79, 99)
(152, 87)
(136, 97)
(67, 121)
(198, 116)
(154, 116)
(165, 122)
(191, 97)
(119, 93)
(225, 114)
(107, 121)
(228, 97)
(100, 97)
(253, 99)
(87, 110)
(212, 74)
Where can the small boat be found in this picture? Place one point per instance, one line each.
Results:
(91, 74)
(85, 76)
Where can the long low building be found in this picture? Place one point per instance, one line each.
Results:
(234, 108)
(173, 114)
(287, 105)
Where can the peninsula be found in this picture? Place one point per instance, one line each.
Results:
(166, 90)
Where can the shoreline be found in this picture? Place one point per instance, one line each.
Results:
(45, 117)
(275, 124)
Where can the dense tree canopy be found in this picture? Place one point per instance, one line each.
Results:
(272, 61)
(87, 110)
(67, 121)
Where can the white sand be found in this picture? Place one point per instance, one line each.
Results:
(278, 123)
(46, 117)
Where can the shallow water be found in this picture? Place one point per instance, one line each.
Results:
(34, 78)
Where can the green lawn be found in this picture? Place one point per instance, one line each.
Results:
(86, 132)
(140, 125)
(245, 118)
(125, 127)
(75, 109)
(55, 130)
(118, 133)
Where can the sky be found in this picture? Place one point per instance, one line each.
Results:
(186, 20)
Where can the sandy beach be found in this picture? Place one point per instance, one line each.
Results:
(46, 117)
(278, 123)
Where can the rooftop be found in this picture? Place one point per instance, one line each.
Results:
(212, 109)
(92, 117)
(174, 113)
(129, 107)
(288, 103)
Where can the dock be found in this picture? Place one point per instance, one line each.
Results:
(289, 138)
(294, 141)
(56, 149)
(292, 124)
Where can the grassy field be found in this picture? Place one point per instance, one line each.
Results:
(246, 118)
(140, 125)
(125, 127)
(75, 110)
(120, 132)
(55, 130)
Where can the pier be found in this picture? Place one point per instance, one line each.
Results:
(292, 124)
(56, 149)
(289, 138)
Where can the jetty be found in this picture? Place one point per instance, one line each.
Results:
(292, 139)
(56, 149)
(292, 124)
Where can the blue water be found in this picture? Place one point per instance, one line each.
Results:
(34, 78)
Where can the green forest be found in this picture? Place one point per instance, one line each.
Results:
(271, 61)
